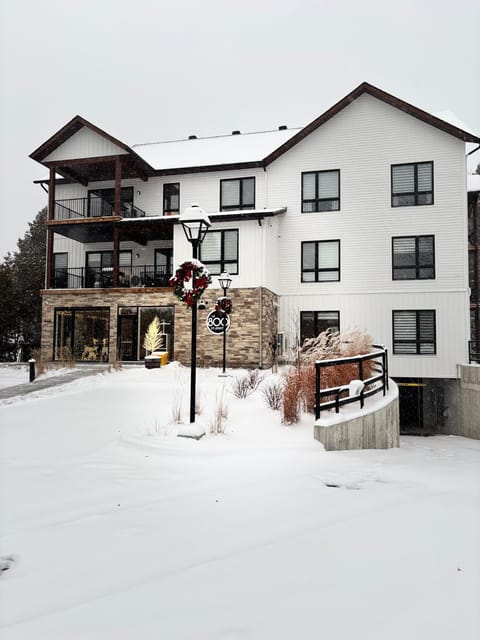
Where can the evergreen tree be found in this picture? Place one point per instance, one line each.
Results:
(22, 277)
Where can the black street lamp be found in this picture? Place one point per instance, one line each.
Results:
(225, 281)
(195, 223)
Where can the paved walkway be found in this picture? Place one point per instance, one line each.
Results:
(51, 381)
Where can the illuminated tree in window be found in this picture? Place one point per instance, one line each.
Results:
(153, 337)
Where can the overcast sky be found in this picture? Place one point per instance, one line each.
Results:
(149, 70)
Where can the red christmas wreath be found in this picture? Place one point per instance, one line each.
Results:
(224, 305)
(184, 273)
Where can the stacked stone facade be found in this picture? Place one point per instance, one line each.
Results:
(249, 341)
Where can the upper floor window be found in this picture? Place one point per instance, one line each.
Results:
(412, 184)
(414, 332)
(101, 202)
(219, 251)
(171, 198)
(312, 323)
(321, 191)
(321, 261)
(237, 193)
(413, 258)
(60, 270)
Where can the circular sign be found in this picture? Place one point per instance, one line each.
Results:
(218, 322)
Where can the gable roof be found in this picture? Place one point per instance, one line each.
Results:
(236, 151)
(367, 88)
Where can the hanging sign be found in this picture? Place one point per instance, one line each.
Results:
(218, 322)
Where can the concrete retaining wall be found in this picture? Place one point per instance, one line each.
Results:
(377, 426)
(469, 423)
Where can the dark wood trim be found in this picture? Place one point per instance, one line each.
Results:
(116, 253)
(49, 269)
(118, 187)
(51, 195)
(77, 161)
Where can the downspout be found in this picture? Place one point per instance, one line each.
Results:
(262, 269)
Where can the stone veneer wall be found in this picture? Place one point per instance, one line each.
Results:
(249, 340)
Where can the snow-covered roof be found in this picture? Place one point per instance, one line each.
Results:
(473, 182)
(214, 150)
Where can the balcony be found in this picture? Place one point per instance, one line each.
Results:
(102, 278)
(84, 208)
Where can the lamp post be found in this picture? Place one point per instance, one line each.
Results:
(225, 281)
(195, 223)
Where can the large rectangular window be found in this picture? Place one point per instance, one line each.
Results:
(312, 323)
(219, 251)
(171, 198)
(414, 332)
(413, 258)
(237, 193)
(321, 261)
(321, 191)
(99, 267)
(412, 184)
(82, 334)
(101, 202)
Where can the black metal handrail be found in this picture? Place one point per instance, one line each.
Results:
(146, 275)
(381, 368)
(93, 208)
(473, 352)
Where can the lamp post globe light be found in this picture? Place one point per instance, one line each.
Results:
(225, 281)
(195, 224)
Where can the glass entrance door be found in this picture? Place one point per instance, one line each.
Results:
(127, 337)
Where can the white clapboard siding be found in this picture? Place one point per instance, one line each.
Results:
(363, 141)
(373, 313)
(85, 143)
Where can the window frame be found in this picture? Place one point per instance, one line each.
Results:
(168, 197)
(222, 259)
(315, 322)
(317, 198)
(418, 266)
(107, 195)
(418, 341)
(416, 193)
(316, 270)
(59, 274)
(241, 205)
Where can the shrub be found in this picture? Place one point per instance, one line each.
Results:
(243, 386)
(221, 411)
(299, 391)
(272, 392)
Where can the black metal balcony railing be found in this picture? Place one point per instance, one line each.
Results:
(102, 277)
(93, 208)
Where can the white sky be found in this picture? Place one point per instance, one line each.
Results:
(151, 70)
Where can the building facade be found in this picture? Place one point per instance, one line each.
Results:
(357, 219)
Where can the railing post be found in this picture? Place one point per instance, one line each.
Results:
(360, 369)
(317, 390)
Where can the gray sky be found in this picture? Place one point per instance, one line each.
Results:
(148, 70)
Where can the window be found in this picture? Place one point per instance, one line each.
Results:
(101, 202)
(60, 270)
(99, 267)
(414, 332)
(312, 323)
(321, 191)
(171, 198)
(321, 261)
(82, 333)
(412, 184)
(219, 251)
(413, 258)
(236, 194)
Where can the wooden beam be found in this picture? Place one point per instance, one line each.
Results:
(49, 269)
(51, 195)
(116, 254)
(76, 161)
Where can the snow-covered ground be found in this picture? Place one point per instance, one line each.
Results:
(113, 527)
